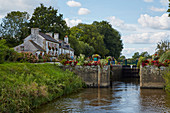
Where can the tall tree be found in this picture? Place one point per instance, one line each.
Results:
(169, 8)
(112, 38)
(89, 34)
(162, 47)
(14, 27)
(48, 20)
(136, 55)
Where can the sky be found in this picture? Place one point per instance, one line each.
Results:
(141, 23)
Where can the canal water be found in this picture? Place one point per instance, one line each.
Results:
(125, 96)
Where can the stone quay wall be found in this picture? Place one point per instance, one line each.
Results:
(152, 77)
(93, 76)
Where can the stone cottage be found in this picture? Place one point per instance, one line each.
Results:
(38, 42)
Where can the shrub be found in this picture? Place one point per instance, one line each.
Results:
(3, 49)
(165, 56)
(141, 59)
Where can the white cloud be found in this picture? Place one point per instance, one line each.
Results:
(162, 22)
(72, 22)
(164, 2)
(148, 0)
(83, 11)
(158, 9)
(73, 3)
(7, 6)
(115, 22)
(146, 38)
(128, 52)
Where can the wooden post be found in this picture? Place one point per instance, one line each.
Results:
(99, 74)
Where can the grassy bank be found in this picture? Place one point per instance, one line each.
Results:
(24, 86)
(167, 79)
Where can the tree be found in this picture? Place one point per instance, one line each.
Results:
(14, 27)
(162, 47)
(86, 49)
(145, 54)
(80, 47)
(122, 58)
(169, 8)
(89, 34)
(48, 20)
(112, 38)
(136, 55)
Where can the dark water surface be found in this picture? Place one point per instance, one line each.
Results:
(124, 97)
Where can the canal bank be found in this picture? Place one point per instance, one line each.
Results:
(24, 86)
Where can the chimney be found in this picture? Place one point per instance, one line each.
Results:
(50, 34)
(34, 31)
(56, 36)
(66, 39)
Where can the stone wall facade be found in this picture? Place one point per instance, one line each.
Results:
(151, 77)
(93, 76)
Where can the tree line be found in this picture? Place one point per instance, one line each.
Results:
(98, 37)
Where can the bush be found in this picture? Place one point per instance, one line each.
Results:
(26, 86)
(12, 56)
(3, 49)
(165, 56)
(141, 59)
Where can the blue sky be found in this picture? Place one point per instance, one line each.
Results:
(141, 23)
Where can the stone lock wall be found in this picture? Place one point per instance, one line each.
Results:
(115, 72)
(93, 76)
(151, 77)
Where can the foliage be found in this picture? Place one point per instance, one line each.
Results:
(63, 61)
(167, 79)
(145, 54)
(81, 59)
(3, 49)
(26, 86)
(85, 48)
(162, 47)
(165, 56)
(89, 34)
(156, 63)
(136, 55)
(169, 8)
(14, 27)
(64, 56)
(112, 38)
(11, 55)
(48, 20)
(121, 58)
(141, 59)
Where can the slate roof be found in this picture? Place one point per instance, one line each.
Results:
(49, 38)
(37, 46)
(71, 49)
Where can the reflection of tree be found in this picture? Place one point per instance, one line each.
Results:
(97, 97)
(153, 100)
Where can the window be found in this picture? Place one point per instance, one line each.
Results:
(22, 48)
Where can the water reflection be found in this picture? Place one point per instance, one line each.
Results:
(124, 97)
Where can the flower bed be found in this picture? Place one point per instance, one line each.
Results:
(156, 63)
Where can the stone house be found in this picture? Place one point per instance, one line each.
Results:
(38, 42)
